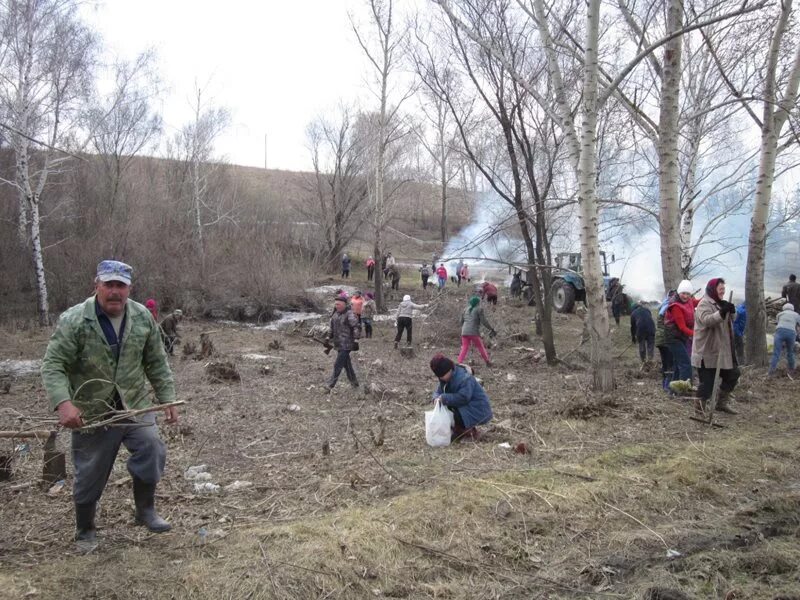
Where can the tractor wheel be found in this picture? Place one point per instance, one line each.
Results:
(563, 296)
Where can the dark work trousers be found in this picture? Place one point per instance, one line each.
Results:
(93, 455)
(425, 282)
(728, 377)
(370, 272)
(681, 364)
(647, 345)
(367, 327)
(666, 361)
(343, 362)
(395, 283)
(345, 273)
(403, 323)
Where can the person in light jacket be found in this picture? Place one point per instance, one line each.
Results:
(785, 335)
(405, 312)
(461, 394)
(713, 348)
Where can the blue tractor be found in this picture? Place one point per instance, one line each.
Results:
(568, 286)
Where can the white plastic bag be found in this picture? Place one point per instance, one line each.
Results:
(438, 425)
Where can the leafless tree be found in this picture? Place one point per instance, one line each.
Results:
(46, 69)
(339, 182)
(193, 148)
(123, 124)
(382, 43)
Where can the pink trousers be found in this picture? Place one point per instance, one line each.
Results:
(476, 341)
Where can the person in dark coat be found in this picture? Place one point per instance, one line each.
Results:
(344, 334)
(791, 291)
(345, 266)
(643, 330)
(461, 394)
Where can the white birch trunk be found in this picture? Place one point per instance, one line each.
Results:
(775, 114)
(43, 306)
(668, 167)
(687, 213)
(582, 153)
(601, 355)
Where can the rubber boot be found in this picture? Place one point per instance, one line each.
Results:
(144, 496)
(85, 532)
(723, 403)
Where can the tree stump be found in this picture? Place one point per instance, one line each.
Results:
(206, 346)
(219, 372)
(407, 352)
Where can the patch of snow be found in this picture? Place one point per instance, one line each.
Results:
(330, 290)
(284, 318)
(20, 368)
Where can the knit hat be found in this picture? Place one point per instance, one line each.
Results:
(369, 295)
(788, 306)
(711, 288)
(441, 365)
(685, 287)
(406, 298)
(151, 303)
(473, 302)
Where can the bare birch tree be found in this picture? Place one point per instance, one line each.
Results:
(195, 149)
(46, 70)
(382, 44)
(779, 97)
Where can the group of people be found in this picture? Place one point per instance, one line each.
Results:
(706, 335)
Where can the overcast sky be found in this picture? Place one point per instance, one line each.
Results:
(274, 64)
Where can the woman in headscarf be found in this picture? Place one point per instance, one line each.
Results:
(471, 320)
(713, 348)
(461, 394)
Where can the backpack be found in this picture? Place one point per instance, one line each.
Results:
(425, 272)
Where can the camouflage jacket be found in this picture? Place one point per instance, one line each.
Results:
(345, 329)
(78, 353)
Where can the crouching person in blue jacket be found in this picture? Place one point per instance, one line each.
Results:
(461, 393)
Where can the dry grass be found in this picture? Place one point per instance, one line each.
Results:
(590, 513)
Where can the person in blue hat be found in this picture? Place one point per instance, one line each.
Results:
(99, 360)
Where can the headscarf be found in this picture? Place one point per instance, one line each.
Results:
(711, 288)
(441, 365)
(473, 302)
(369, 295)
(406, 298)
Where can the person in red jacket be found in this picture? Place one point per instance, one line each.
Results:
(441, 275)
(679, 330)
(489, 293)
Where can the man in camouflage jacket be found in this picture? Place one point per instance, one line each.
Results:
(98, 360)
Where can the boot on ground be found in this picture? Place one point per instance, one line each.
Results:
(144, 496)
(85, 532)
(723, 403)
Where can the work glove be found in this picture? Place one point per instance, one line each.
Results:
(355, 346)
(726, 308)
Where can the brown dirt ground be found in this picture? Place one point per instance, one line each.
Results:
(611, 483)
